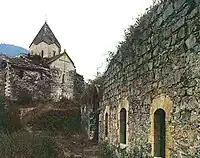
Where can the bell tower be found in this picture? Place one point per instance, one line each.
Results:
(45, 43)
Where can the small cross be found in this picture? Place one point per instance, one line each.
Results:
(45, 17)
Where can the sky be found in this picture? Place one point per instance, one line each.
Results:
(87, 29)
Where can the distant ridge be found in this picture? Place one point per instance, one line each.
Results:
(11, 50)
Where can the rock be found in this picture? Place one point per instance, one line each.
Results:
(178, 3)
(191, 41)
(168, 12)
(181, 33)
(178, 24)
(190, 91)
(193, 13)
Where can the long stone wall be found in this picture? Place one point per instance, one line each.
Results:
(157, 67)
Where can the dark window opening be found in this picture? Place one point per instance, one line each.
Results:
(42, 54)
(63, 78)
(159, 133)
(123, 126)
(20, 74)
(54, 53)
(106, 125)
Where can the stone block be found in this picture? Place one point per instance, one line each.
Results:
(178, 3)
(178, 24)
(191, 41)
(181, 33)
(168, 11)
(193, 13)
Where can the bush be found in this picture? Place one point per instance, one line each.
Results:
(24, 97)
(58, 121)
(26, 145)
(107, 151)
(4, 116)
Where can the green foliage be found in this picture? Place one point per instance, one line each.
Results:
(26, 145)
(107, 151)
(58, 121)
(24, 97)
(4, 116)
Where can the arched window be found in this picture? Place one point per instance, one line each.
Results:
(159, 133)
(54, 53)
(42, 54)
(123, 126)
(63, 78)
(106, 125)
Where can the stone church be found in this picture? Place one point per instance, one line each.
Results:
(44, 73)
(46, 45)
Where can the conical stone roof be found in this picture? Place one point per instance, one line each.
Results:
(45, 35)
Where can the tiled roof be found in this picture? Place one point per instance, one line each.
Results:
(45, 35)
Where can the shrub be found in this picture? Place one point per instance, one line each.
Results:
(4, 116)
(24, 97)
(58, 121)
(107, 151)
(26, 145)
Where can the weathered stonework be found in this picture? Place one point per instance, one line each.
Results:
(23, 80)
(157, 66)
(48, 50)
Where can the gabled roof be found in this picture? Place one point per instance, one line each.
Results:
(58, 56)
(45, 35)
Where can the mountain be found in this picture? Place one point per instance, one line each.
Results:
(11, 50)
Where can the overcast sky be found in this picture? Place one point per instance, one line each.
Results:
(87, 29)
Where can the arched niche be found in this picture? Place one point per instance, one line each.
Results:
(161, 108)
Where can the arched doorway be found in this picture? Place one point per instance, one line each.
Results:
(123, 126)
(106, 125)
(159, 133)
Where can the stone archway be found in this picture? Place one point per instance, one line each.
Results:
(161, 107)
(123, 117)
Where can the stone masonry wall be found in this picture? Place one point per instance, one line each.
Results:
(157, 66)
(2, 82)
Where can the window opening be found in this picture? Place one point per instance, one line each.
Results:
(123, 126)
(106, 125)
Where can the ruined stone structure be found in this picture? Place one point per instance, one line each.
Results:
(23, 79)
(46, 45)
(151, 99)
